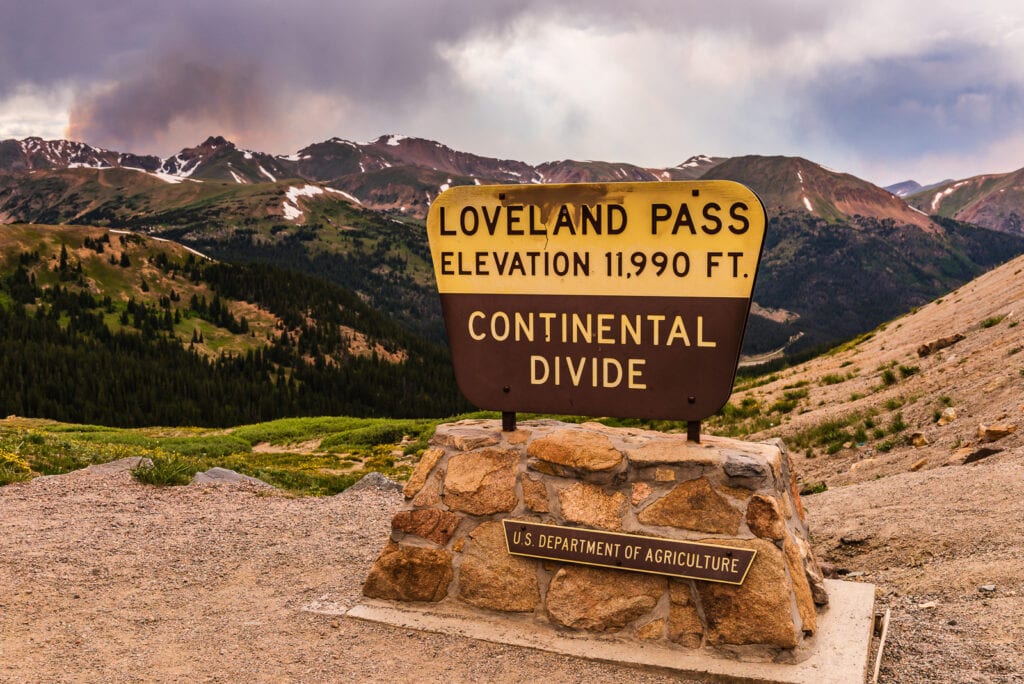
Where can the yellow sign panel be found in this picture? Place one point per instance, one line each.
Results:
(688, 238)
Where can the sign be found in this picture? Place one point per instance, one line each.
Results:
(620, 299)
(653, 555)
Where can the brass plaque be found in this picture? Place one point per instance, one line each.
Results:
(654, 555)
(613, 299)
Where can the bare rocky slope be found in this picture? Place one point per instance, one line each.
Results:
(105, 579)
(936, 527)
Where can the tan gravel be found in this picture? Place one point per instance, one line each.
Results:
(103, 579)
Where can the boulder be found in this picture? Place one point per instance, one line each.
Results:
(409, 573)
(590, 505)
(693, 505)
(600, 600)
(991, 433)
(482, 482)
(936, 345)
(215, 475)
(578, 449)
(490, 577)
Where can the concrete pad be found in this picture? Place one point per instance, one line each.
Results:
(838, 653)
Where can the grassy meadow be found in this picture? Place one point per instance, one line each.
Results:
(305, 456)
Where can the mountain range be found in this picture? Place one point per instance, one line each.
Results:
(841, 256)
(401, 174)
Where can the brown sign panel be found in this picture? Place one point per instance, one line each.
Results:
(653, 555)
(618, 299)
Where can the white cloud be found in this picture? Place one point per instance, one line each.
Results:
(32, 110)
(830, 83)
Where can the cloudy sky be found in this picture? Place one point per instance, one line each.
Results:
(883, 89)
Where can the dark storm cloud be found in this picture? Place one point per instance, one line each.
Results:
(152, 63)
(241, 64)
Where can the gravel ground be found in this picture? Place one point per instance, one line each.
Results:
(945, 549)
(105, 579)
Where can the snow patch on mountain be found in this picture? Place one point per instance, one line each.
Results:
(940, 195)
(89, 165)
(697, 160)
(268, 174)
(165, 177)
(352, 198)
(291, 206)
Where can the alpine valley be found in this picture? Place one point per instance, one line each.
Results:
(224, 285)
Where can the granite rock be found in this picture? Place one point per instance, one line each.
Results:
(490, 577)
(428, 460)
(429, 523)
(578, 449)
(693, 505)
(600, 600)
(409, 573)
(482, 482)
(590, 505)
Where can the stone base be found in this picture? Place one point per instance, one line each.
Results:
(448, 544)
(837, 654)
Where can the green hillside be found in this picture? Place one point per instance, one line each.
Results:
(122, 329)
(385, 260)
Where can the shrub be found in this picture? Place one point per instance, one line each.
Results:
(383, 432)
(994, 320)
(783, 406)
(888, 377)
(832, 379)
(164, 469)
(907, 371)
(13, 468)
(813, 488)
